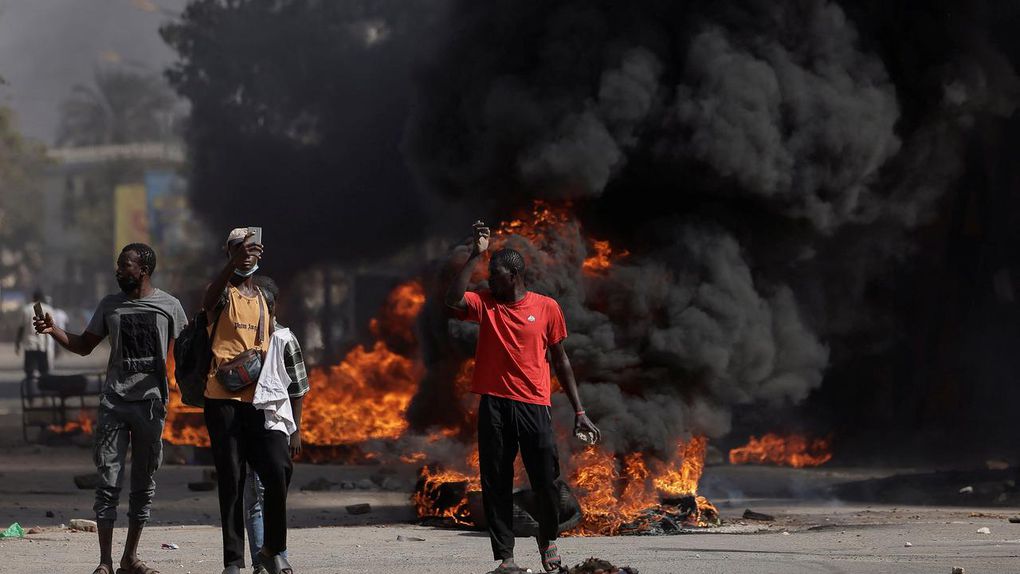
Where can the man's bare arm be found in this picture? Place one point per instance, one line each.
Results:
(455, 294)
(565, 375)
(79, 344)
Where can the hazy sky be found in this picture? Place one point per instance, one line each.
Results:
(47, 46)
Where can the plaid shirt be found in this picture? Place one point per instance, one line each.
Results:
(295, 363)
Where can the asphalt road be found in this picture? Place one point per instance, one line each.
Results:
(811, 534)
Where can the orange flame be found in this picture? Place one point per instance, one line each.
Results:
(428, 497)
(413, 458)
(606, 510)
(602, 258)
(82, 424)
(790, 450)
(184, 424)
(682, 481)
(534, 225)
(595, 479)
(364, 397)
(396, 321)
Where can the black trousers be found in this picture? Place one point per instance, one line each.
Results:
(239, 437)
(504, 427)
(36, 361)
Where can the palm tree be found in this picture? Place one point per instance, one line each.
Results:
(120, 107)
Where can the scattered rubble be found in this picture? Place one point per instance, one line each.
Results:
(984, 530)
(597, 566)
(318, 485)
(380, 477)
(957, 570)
(83, 525)
(359, 508)
(169, 546)
(402, 538)
(49, 514)
(752, 515)
(202, 486)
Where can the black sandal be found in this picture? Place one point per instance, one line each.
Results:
(276, 565)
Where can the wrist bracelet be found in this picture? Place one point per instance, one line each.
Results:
(579, 413)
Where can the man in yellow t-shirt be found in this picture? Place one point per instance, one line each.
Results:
(240, 321)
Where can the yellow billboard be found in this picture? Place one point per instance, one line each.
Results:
(131, 215)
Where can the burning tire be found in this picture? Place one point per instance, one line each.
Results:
(524, 523)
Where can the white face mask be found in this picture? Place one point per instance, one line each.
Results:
(250, 272)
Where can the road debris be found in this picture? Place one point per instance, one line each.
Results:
(752, 515)
(13, 531)
(359, 508)
(84, 525)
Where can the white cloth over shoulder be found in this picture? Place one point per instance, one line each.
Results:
(271, 390)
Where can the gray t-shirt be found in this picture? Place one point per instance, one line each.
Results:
(140, 331)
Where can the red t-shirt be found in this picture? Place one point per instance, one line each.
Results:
(513, 338)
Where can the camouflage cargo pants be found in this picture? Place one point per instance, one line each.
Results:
(122, 423)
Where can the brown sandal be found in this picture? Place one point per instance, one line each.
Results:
(103, 569)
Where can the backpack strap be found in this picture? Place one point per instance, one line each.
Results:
(259, 337)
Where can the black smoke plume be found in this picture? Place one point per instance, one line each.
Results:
(809, 191)
(765, 164)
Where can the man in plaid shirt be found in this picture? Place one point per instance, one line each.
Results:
(294, 361)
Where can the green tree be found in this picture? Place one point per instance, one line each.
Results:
(120, 106)
(21, 165)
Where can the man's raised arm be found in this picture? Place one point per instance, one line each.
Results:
(480, 243)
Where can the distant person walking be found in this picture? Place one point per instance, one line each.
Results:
(141, 321)
(37, 347)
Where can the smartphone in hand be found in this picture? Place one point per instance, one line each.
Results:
(256, 235)
(38, 310)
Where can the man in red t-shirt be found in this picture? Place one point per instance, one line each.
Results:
(518, 329)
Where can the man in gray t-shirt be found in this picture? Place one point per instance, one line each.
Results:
(141, 321)
(140, 331)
